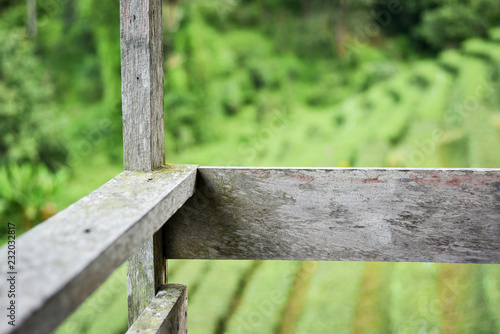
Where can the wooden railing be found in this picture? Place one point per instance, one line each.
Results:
(63, 260)
(337, 214)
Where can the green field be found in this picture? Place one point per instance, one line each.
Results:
(442, 113)
(263, 83)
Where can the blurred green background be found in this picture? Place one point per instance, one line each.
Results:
(263, 83)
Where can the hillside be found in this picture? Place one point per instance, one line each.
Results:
(442, 112)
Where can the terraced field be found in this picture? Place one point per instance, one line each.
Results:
(443, 113)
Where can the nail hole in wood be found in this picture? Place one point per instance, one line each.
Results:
(87, 230)
(133, 17)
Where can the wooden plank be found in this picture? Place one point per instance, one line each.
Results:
(146, 273)
(166, 314)
(143, 130)
(63, 260)
(430, 215)
(142, 84)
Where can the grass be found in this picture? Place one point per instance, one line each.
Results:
(385, 125)
(105, 311)
(414, 307)
(190, 273)
(373, 309)
(213, 298)
(330, 304)
(264, 298)
(464, 308)
(83, 182)
(474, 106)
(491, 286)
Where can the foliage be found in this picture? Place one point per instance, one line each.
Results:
(441, 24)
(332, 296)
(28, 124)
(26, 192)
(449, 25)
(109, 299)
(269, 279)
(280, 83)
(221, 282)
(31, 147)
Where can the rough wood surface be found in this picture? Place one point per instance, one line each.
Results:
(63, 260)
(143, 130)
(146, 272)
(166, 314)
(142, 84)
(340, 214)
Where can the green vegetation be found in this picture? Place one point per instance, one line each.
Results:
(415, 309)
(93, 315)
(221, 283)
(373, 311)
(439, 24)
(491, 286)
(330, 304)
(264, 299)
(264, 83)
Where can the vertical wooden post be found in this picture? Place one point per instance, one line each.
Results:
(143, 131)
(142, 84)
(146, 273)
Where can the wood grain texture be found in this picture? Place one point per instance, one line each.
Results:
(143, 130)
(63, 260)
(166, 314)
(142, 84)
(340, 214)
(146, 272)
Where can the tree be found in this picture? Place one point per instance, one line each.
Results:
(441, 24)
(447, 26)
(28, 130)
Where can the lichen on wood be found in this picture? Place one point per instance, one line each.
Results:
(166, 314)
(365, 214)
(66, 258)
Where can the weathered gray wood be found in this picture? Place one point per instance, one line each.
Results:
(340, 214)
(166, 314)
(63, 260)
(146, 272)
(142, 84)
(143, 130)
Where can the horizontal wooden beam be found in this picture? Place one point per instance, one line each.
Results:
(414, 215)
(166, 314)
(63, 260)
